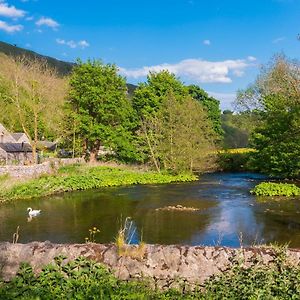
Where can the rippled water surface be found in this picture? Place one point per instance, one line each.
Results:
(228, 215)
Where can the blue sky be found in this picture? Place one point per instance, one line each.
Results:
(217, 44)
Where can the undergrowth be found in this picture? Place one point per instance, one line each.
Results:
(73, 178)
(276, 189)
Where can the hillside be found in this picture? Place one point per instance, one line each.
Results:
(62, 67)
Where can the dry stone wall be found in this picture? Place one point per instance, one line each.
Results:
(164, 266)
(36, 170)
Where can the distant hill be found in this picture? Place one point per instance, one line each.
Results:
(62, 67)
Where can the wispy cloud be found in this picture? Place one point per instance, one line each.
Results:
(72, 44)
(278, 40)
(206, 42)
(47, 22)
(10, 11)
(197, 69)
(10, 28)
(251, 58)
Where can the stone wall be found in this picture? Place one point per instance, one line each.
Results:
(36, 170)
(165, 266)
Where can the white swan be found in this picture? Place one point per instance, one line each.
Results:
(33, 212)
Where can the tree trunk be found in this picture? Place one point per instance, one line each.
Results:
(94, 151)
(35, 139)
(151, 151)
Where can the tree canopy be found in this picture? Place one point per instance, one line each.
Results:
(276, 93)
(101, 109)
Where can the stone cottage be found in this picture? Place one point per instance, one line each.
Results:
(14, 147)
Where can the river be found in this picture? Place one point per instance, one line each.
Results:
(227, 214)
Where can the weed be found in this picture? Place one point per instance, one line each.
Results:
(276, 189)
(92, 235)
(16, 236)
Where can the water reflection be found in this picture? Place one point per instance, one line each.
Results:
(227, 214)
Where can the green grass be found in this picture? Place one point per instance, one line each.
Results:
(276, 189)
(78, 177)
(85, 279)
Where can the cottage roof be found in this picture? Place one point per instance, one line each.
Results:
(16, 147)
(17, 135)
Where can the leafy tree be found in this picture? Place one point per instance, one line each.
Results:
(186, 136)
(33, 97)
(211, 104)
(148, 97)
(277, 140)
(175, 129)
(101, 110)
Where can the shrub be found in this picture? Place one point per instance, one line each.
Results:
(85, 279)
(276, 189)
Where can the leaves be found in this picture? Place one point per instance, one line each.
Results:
(276, 189)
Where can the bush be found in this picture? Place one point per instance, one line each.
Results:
(276, 189)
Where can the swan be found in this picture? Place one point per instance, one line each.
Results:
(33, 212)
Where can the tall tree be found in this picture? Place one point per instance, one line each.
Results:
(187, 138)
(34, 95)
(211, 104)
(175, 129)
(148, 97)
(101, 109)
(277, 94)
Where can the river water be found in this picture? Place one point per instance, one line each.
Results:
(227, 214)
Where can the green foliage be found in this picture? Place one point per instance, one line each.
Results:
(184, 137)
(175, 130)
(233, 161)
(278, 140)
(239, 127)
(88, 178)
(211, 104)
(101, 112)
(278, 280)
(276, 189)
(276, 93)
(149, 96)
(85, 279)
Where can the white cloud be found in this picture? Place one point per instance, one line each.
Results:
(72, 44)
(29, 19)
(47, 22)
(197, 69)
(206, 42)
(10, 28)
(10, 11)
(251, 58)
(83, 44)
(278, 40)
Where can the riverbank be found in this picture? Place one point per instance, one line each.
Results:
(83, 177)
(161, 272)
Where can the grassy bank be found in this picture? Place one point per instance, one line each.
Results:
(84, 279)
(82, 177)
(276, 189)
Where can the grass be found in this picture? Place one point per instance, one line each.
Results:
(276, 189)
(82, 177)
(85, 279)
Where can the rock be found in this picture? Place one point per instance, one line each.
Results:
(163, 266)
